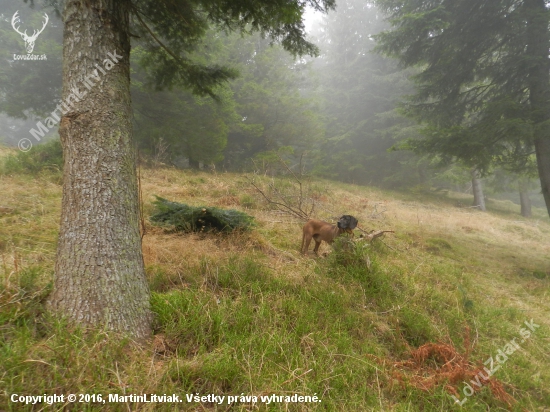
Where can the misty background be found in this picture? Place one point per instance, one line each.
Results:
(339, 115)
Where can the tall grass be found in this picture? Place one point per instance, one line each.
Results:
(247, 314)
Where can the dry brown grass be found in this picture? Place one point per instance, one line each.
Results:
(5, 151)
(29, 220)
(505, 246)
(436, 246)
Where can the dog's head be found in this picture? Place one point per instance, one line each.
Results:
(347, 222)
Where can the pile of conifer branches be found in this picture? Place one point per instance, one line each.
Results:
(187, 218)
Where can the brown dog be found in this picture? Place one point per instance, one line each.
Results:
(319, 230)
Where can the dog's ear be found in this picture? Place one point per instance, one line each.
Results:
(353, 222)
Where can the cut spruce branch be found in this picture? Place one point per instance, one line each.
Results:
(185, 218)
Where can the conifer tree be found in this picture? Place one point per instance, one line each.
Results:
(484, 88)
(99, 276)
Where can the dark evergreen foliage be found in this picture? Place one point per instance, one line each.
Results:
(172, 29)
(484, 87)
(187, 218)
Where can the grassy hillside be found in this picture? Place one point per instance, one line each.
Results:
(246, 314)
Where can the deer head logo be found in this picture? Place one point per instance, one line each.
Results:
(29, 40)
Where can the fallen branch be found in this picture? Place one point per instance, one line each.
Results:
(370, 236)
(378, 233)
(187, 218)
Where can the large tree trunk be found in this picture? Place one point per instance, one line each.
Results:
(524, 199)
(542, 150)
(477, 188)
(99, 276)
(538, 42)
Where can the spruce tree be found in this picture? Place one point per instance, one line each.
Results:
(484, 86)
(99, 276)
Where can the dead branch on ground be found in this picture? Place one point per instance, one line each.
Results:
(375, 234)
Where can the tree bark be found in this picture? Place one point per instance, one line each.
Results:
(524, 199)
(477, 188)
(542, 150)
(538, 42)
(99, 276)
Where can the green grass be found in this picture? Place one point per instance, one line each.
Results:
(246, 314)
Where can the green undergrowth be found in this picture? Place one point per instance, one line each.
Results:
(266, 320)
(43, 158)
(234, 327)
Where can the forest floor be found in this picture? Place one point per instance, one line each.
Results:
(402, 324)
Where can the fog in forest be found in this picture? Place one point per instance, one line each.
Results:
(294, 205)
(351, 114)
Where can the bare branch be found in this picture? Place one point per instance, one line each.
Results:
(282, 205)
